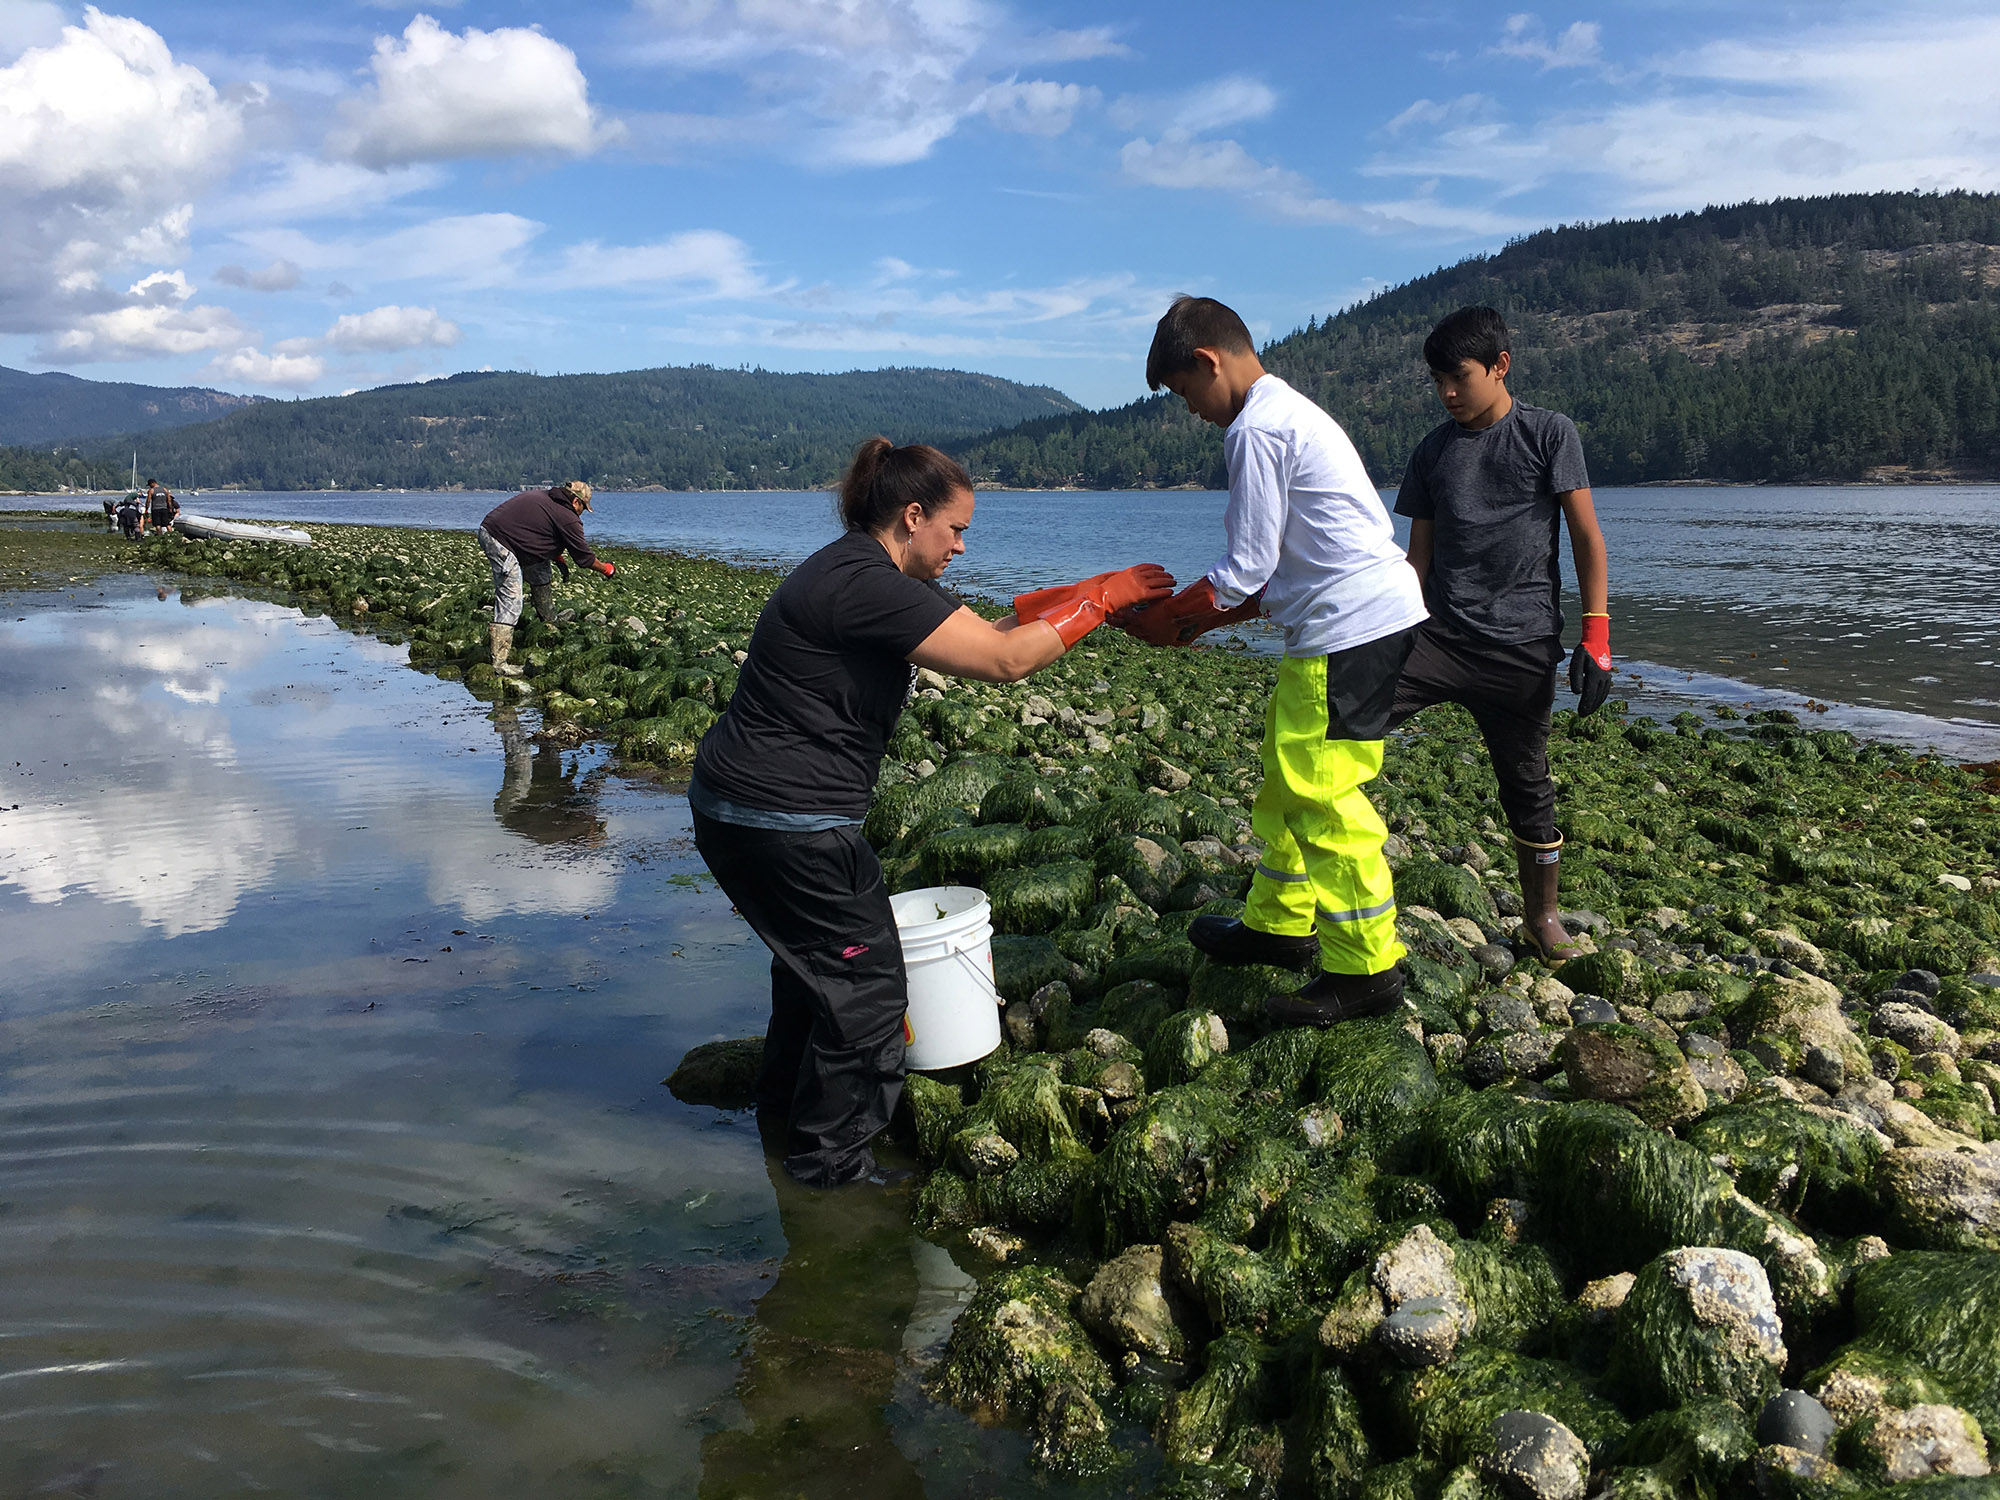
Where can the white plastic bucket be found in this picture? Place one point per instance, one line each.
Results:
(954, 1014)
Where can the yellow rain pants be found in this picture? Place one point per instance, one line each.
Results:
(1322, 869)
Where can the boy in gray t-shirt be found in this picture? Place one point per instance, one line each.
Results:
(1483, 493)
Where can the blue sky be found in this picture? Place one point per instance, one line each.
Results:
(305, 199)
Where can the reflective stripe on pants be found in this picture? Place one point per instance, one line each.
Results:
(1322, 868)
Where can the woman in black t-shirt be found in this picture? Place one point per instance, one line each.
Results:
(783, 780)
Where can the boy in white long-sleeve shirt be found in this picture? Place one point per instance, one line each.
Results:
(1308, 538)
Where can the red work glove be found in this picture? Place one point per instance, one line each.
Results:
(604, 567)
(1097, 598)
(1035, 603)
(1590, 667)
(1191, 612)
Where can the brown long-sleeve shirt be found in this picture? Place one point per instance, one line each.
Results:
(537, 527)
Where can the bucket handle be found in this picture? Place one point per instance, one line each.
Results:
(963, 956)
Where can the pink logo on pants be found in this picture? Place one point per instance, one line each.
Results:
(854, 952)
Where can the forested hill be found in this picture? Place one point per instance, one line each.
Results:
(1819, 338)
(694, 428)
(43, 408)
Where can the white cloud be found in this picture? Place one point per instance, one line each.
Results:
(460, 250)
(154, 318)
(439, 96)
(1035, 108)
(1578, 45)
(294, 188)
(1830, 110)
(1465, 108)
(105, 140)
(389, 328)
(867, 82)
(279, 276)
(247, 366)
(705, 260)
(1215, 105)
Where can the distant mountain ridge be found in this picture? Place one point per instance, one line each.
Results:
(693, 427)
(54, 407)
(1837, 338)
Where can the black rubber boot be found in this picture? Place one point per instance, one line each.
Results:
(1332, 998)
(543, 598)
(1228, 941)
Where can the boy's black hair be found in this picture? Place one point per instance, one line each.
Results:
(1193, 323)
(1471, 333)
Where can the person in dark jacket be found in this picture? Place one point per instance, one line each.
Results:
(522, 538)
(783, 780)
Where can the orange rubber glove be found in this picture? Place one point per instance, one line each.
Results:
(1191, 612)
(1096, 599)
(1032, 605)
(604, 567)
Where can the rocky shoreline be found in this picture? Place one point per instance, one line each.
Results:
(1712, 1210)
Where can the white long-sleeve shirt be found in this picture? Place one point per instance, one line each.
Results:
(1307, 527)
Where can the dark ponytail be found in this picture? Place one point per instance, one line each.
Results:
(883, 480)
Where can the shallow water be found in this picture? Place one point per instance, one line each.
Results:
(333, 1155)
(1883, 601)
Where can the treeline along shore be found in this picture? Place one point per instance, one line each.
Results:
(1843, 339)
(1544, 1230)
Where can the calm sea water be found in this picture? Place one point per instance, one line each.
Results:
(333, 1155)
(1883, 602)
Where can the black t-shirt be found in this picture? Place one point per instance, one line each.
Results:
(825, 680)
(1490, 496)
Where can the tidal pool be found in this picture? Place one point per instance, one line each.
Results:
(333, 1155)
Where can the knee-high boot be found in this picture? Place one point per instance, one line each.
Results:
(1541, 924)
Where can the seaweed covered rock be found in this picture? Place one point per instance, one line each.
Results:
(1927, 1331)
(1448, 1410)
(1236, 1286)
(1016, 1353)
(1375, 1074)
(1800, 1013)
(1159, 1166)
(1623, 1065)
(1700, 1322)
(722, 1075)
(1613, 974)
(1703, 1447)
(1041, 897)
(1183, 1044)
(1918, 1443)
(1130, 1307)
(1531, 1456)
(1943, 1199)
(1800, 1159)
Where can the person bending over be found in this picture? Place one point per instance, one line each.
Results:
(522, 538)
(1305, 532)
(783, 780)
(1483, 492)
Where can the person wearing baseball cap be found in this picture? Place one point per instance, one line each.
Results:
(523, 538)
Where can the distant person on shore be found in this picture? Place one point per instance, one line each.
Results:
(1306, 534)
(131, 516)
(522, 538)
(783, 780)
(111, 510)
(1483, 492)
(162, 508)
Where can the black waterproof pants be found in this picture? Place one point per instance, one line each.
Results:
(1509, 690)
(833, 1052)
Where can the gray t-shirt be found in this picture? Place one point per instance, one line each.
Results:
(1491, 498)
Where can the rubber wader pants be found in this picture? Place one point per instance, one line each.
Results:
(1322, 869)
